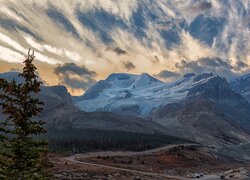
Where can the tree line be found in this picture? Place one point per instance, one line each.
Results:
(72, 140)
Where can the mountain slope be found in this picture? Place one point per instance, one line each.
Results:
(200, 121)
(53, 96)
(218, 91)
(62, 118)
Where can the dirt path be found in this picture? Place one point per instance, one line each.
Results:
(72, 160)
(78, 159)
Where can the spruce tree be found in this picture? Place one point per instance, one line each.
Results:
(22, 155)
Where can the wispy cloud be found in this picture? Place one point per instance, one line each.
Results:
(9, 55)
(74, 56)
(7, 40)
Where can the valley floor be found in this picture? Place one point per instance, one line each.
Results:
(169, 162)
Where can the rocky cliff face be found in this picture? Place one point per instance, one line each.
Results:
(232, 104)
(241, 85)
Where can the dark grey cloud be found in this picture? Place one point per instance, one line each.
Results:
(215, 62)
(165, 74)
(117, 50)
(200, 6)
(120, 51)
(155, 60)
(128, 65)
(191, 66)
(74, 76)
(75, 69)
(207, 64)
(204, 5)
(242, 64)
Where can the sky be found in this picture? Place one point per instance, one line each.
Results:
(79, 42)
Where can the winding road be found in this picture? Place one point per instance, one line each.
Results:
(74, 159)
(78, 159)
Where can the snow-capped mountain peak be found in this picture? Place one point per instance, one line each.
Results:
(139, 94)
(145, 80)
(124, 80)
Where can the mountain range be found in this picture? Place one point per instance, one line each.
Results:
(192, 105)
(139, 95)
(204, 108)
(61, 113)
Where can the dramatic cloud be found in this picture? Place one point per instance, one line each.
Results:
(105, 36)
(241, 66)
(75, 77)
